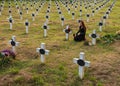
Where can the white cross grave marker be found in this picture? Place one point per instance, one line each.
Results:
(45, 27)
(27, 10)
(93, 12)
(94, 36)
(73, 15)
(21, 15)
(100, 25)
(68, 10)
(33, 16)
(47, 18)
(62, 19)
(10, 21)
(60, 13)
(18, 9)
(82, 63)
(87, 15)
(67, 31)
(37, 11)
(13, 43)
(43, 52)
(27, 25)
(10, 13)
(107, 14)
(104, 19)
(80, 13)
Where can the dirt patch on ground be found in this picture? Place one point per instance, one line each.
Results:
(106, 69)
(116, 46)
(21, 77)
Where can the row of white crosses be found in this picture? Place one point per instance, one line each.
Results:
(94, 35)
(20, 12)
(95, 10)
(42, 51)
(47, 14)
(60, 13)
(27, 24)
(33, 15)
(14, 43)
(102, 22)
(108, 12)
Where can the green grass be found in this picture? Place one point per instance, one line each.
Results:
(59, 69)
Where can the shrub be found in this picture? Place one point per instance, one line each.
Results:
(110, 38)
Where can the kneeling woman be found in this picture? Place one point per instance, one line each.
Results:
(80, 35)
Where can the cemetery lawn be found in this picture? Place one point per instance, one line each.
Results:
(59, 69)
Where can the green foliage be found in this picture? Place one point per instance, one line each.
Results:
(38, 81)
(4, 62)
(14, 71)
(19, 79)
(110, 38)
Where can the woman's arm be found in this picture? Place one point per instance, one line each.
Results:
(78, 32)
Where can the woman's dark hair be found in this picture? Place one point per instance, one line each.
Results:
(83, 25)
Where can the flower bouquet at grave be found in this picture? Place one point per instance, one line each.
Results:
(7, 54)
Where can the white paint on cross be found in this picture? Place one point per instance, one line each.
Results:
(82, 63)
(93, 13)
(68, 10)
(62, 19)
(13, 43)
(80, 12)
(27, 24)
(27, 10)
(33, 16)
(43, 52)
(45, 27)
(67, 31)
(47, 18)
(10, 21)
(73, 15)
(104, 19)
(20, 15)
(88, 16)
(100, 25)
(94, 36)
